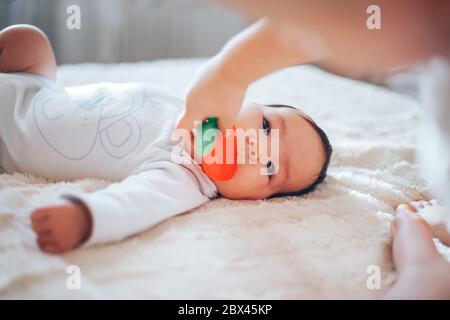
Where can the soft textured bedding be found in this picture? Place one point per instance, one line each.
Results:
(317, 246)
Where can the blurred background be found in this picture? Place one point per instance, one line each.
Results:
(115, 31)
(128, 30)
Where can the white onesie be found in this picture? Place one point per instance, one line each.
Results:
(119, 132)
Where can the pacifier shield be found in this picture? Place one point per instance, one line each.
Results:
(218, 152)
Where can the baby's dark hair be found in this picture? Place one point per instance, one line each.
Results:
(328, 150)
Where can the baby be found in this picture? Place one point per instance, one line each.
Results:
(124, 133)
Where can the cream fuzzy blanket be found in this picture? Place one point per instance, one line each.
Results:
(316, 246)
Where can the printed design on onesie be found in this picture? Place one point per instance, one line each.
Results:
(101, 116)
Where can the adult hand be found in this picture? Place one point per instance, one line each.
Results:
(423, 272)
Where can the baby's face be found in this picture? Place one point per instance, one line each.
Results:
(300, 154)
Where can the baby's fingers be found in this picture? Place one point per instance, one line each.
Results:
(40, 227)
(45, 236)
(40, 215)
(45, 241)
(51, 248)
(40, 224)
(48, 244)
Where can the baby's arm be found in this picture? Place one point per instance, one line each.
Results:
(25, 48)
(121, 210)
(262, 48)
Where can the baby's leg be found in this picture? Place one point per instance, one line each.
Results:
(25, 48)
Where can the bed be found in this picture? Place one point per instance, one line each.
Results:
(324, 245)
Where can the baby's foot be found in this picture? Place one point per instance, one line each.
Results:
(435, 216)
(61, 228)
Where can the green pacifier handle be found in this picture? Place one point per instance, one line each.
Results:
(206, 139)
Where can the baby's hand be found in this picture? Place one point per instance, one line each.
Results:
(61, 228)
(213, 95)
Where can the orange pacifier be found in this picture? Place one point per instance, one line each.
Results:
(217, 151)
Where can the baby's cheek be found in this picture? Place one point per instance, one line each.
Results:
(245, 184)
(250, 176)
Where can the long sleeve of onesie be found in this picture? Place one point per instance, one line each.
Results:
(140, 202)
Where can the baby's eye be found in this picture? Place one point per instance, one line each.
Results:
(266, 126)
(270, 169)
